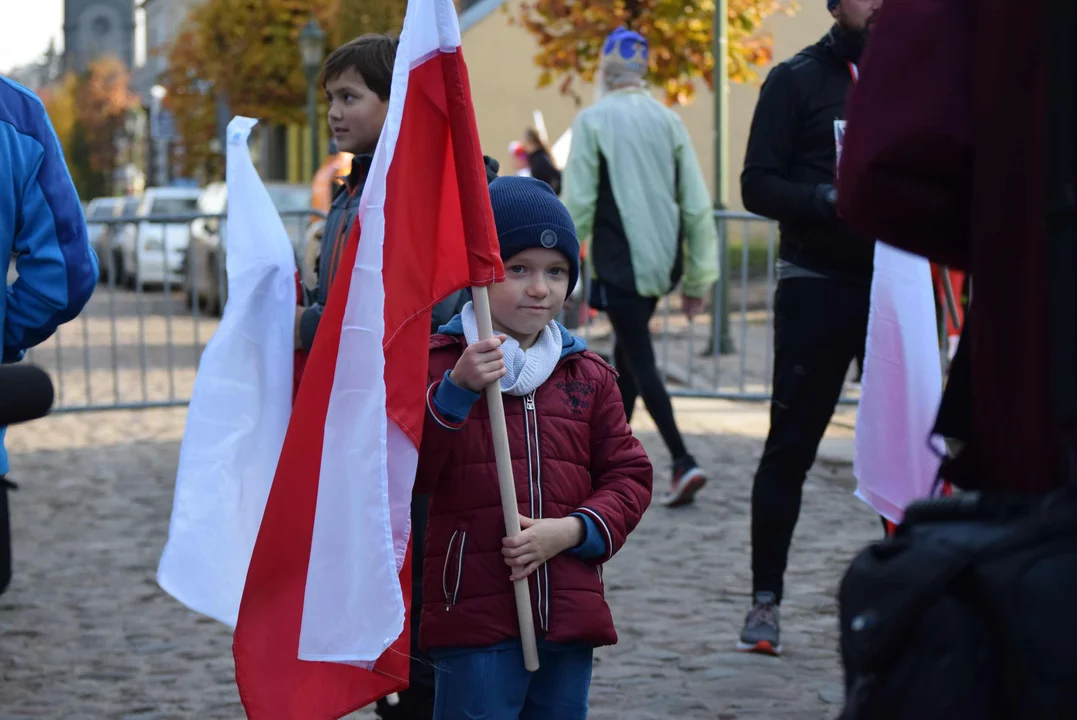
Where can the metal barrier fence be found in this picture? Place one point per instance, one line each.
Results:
(727, 352)
(139, 341)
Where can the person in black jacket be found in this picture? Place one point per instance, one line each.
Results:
(824, 286)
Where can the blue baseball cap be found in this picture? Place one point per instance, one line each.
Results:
(628, 47)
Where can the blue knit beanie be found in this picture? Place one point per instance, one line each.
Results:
(528, 214)
(831, 4)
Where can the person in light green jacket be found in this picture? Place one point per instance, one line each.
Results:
(640, 204)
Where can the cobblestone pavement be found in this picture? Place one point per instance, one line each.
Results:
(86, 633)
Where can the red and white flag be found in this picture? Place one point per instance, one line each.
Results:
(322, 625)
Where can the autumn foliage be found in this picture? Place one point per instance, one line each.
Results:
(247, 51)
(680, 32)
(89, 113)
(102, 100)
(352, 19)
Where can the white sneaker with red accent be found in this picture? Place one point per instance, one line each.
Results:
(687, 481)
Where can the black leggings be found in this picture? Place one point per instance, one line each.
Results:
(820, 325)
(633, 355)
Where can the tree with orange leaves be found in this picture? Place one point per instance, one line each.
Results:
(102, 100)
(88, 113)
(248, 52)
(680, 33)
(352, 19)
(191, 101)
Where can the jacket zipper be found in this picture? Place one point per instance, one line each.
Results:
(450, 598)
(534, 477)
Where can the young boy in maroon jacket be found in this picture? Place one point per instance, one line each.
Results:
(582, 482)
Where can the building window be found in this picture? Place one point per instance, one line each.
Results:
(101, 26)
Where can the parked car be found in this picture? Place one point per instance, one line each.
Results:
(110, 237)
(97, 211)
(205, 277)
(152, 253)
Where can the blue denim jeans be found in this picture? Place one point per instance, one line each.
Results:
(490, 683)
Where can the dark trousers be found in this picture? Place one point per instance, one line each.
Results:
(633, 355)
(5, 535)
(820, 325)
(417, 702)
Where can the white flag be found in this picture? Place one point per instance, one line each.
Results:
(241, 403)
(901, 386)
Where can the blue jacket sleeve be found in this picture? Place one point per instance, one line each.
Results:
(453, 402)
(594, 544)
(57, 269)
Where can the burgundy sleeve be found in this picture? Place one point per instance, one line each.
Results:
(439, 434)
(905, 173)
(621, 472)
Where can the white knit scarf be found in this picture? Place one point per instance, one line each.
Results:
(527, 369)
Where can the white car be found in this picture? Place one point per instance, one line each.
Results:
(98, 213)
(153, 251)
(206, 276)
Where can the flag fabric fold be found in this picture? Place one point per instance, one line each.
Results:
(895, 458)
(323, 623)
(240, 406)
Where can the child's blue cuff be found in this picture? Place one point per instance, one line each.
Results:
(453, 402)
(593, 545)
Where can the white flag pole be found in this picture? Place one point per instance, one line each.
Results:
(481, 298)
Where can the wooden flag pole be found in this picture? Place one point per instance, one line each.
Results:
(481, 298)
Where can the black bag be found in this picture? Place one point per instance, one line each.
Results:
(966, 614)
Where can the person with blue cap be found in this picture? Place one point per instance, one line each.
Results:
(824, 286)
(636, 193)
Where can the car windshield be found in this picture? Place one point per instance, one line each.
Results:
(102, 211)
(130, 206)
(287, 199)
(173, 206)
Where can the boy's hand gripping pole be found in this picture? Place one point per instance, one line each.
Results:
(481, 298)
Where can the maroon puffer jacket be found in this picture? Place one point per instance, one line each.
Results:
(572, 451)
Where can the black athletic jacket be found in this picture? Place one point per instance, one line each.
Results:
(790, 163)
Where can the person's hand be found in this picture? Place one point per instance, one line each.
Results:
(825, 199)
(692, 306)
(539, 541)
(480, 365)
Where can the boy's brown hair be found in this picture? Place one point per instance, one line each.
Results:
(371, 55)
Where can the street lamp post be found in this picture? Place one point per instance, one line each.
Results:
(312, 50)
(158, 134)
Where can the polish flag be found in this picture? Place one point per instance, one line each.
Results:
(323, 623)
